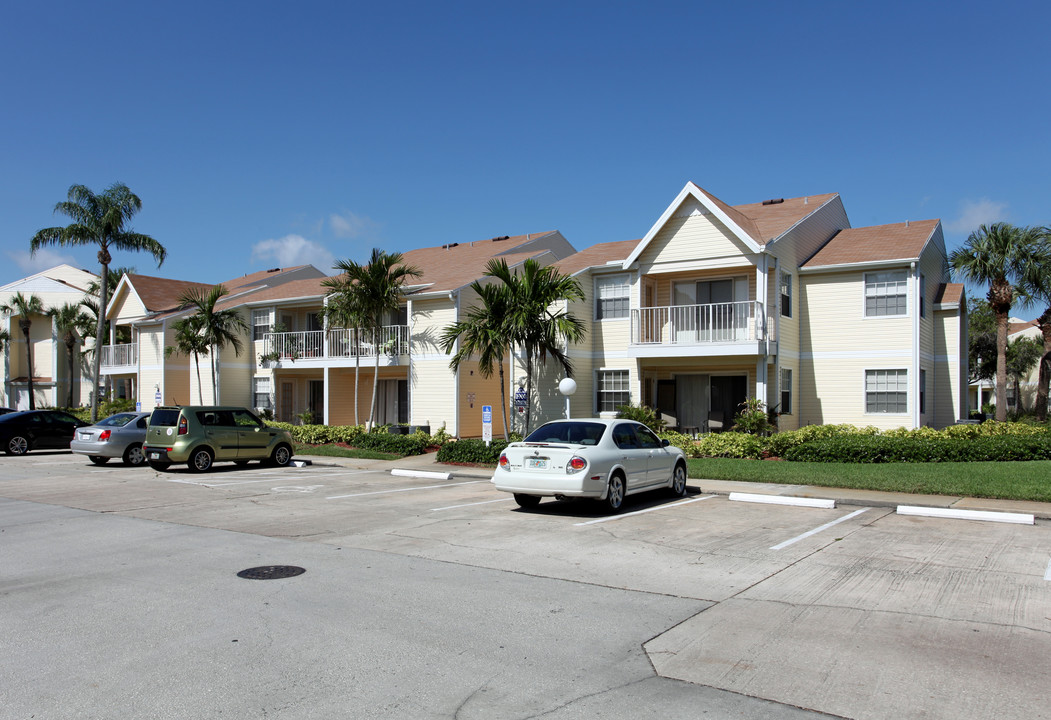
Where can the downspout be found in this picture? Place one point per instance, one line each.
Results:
(777, 330)
(455, 296)
(409, 370)
(762, 284)
(915, 344)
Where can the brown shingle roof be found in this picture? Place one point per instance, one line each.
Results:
(162, 294)
(949, 293)
(596, 256)
(852, 246)
(772, 221)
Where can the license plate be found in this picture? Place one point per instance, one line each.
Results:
(536, 463)
(85, 436)
(155, 456)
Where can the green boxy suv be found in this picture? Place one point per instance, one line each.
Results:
(200, 435)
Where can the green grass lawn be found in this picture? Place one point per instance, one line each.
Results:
(340, 451)
(1005, 480)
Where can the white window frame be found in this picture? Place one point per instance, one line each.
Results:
(785, 283)
(875, 282)
(261, 384)
(257, 314)
(621, 291)
(902, 383)
(785, 387)
(601, 389)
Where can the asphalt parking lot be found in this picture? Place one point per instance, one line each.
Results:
(762, 610)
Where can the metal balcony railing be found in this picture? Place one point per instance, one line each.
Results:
(119, 355)
(699, 324)
(393, 340)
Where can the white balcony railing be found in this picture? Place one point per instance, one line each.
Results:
(699, 324)
(393, 340)
(119, 355)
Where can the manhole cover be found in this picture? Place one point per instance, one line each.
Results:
(271, 572)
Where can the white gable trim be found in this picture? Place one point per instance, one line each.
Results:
(127, 287)
(690, 190)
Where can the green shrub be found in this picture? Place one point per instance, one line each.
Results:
(471, 451)
(643, 414)
(922, 447)
(394, 444)
(753, 418)
(728, 445)
(678, 439)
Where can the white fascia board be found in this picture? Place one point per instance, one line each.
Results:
(284, 301)
(127, 287)
(689, 191)
(845, 267)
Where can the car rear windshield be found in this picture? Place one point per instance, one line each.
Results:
(118, 420)
(164, 418)
(581, 433)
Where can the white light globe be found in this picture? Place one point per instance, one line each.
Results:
(567, 386)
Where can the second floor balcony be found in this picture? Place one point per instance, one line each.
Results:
(119, 358)
(700, 329)
(338, 344)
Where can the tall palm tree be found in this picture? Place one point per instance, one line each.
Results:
(343, 309)
(219, 328)
(483, 334)
(1036, 289)
(25, 307)
(376, 287)
(69, 319)
(99, 220)
(533, 322)
(1022, 356)
(999, 255)
(190, 340)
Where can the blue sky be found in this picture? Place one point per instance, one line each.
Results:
(267, 134)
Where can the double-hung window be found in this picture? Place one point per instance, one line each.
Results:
(261, 323)
(786, 294)
(887, 391)
(612, 296)
(786, 391)
(612, 390)
(886, 293)
(261, 393)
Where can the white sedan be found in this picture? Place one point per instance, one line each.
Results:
(593, 458)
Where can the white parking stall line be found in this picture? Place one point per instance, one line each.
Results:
(484, 502)
(1047, 573)
(816, 530)
(409, 489)
(640, 512)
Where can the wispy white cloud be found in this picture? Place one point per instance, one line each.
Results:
(293, 250)
(44, 259)
(977, 212)
(351, 225)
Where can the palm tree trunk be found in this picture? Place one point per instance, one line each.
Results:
(1001, 366)
(1044, 373)
(215, 377)
(69, 349)
(529, 388)
(375, 376)
(200, 387)
(96, 362)
(29, 363)
(503, 398)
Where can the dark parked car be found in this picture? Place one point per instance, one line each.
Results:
(21, 432)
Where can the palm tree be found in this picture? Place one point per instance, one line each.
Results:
(69, 319)
(999, 255)
(25, 307)
(190, 340)
(482, 334)
(219, 328)
(1022, 356)
(99, 220)
(343, 310)
(376, 289)
(532, 323)
(1036, 288)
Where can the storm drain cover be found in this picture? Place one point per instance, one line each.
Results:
(271, 572)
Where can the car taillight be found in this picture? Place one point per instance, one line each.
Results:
(504, 462)
(576, 464)
(182, 426)
(104, 435)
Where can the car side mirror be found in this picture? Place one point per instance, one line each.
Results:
(665, 442)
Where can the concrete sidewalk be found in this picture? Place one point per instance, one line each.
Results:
(845, 496)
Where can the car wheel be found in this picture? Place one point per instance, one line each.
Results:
(678, 481)
(133, 455)
(200, 460)
(281, 456)
(159, 466)
(615, 492)
(98, 459)
(527, 501)
(18, 445)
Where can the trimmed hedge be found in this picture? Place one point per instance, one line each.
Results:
(471, 451)
(904, 448)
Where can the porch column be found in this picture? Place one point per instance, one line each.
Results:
(761, 379)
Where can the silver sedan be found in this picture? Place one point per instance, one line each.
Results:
(118, 436)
